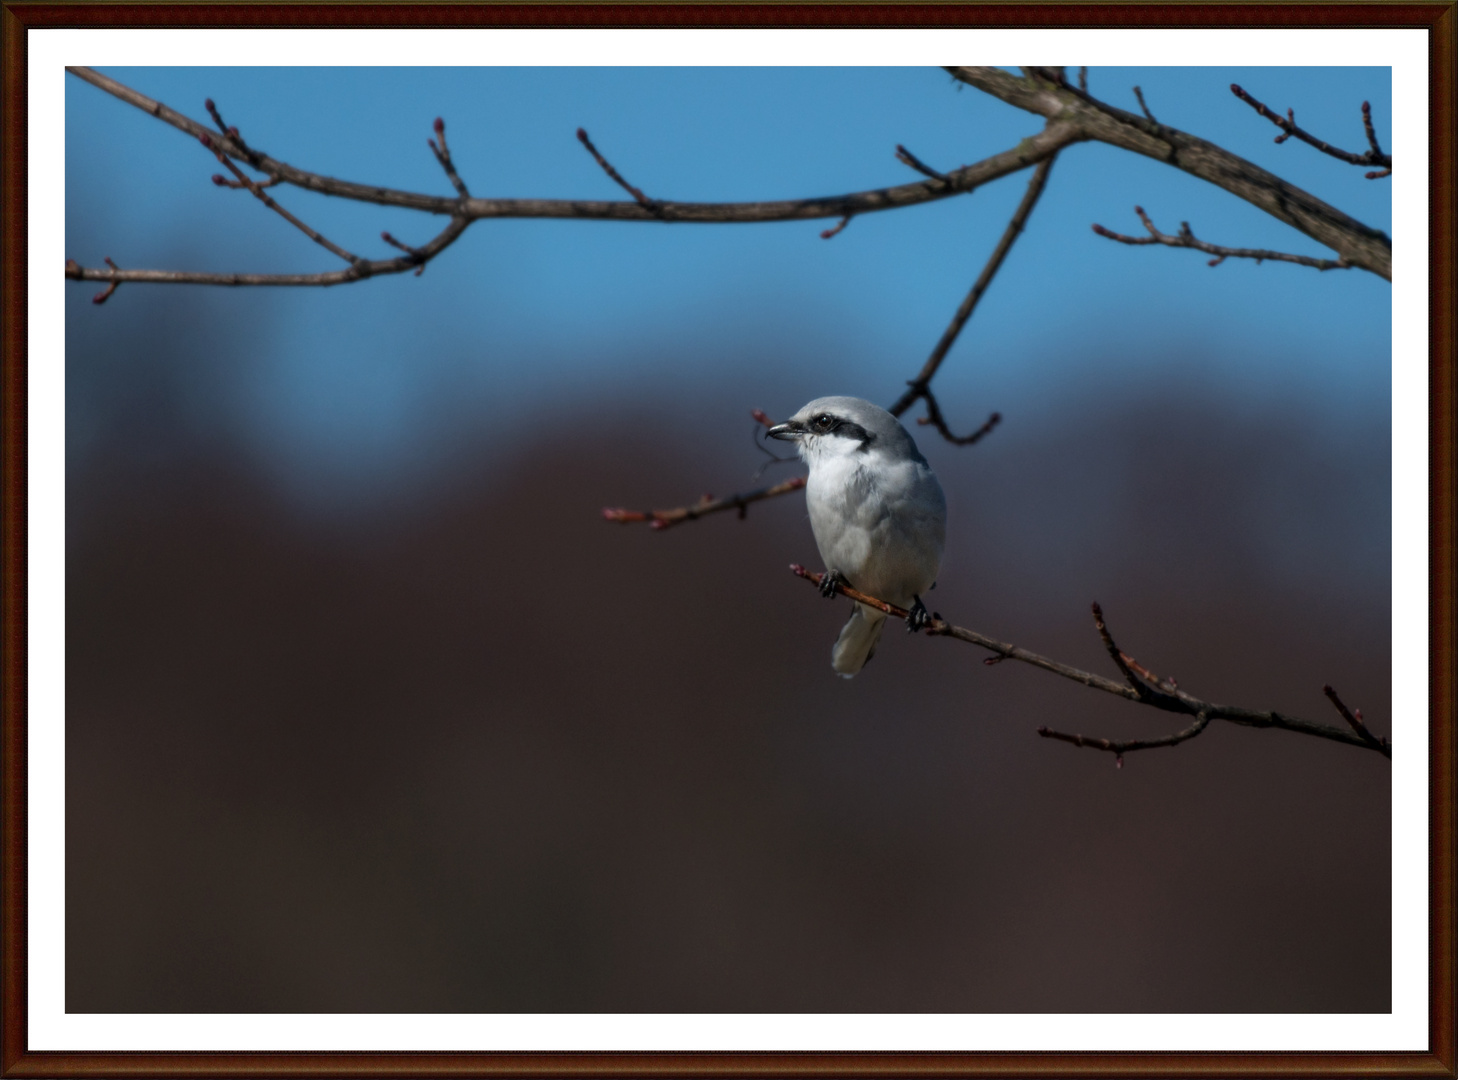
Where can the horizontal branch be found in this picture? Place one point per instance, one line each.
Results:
(364, 268)
(1140, 685)
(1186, 239)
(664, 519)
(959, 181)
(1358, 244)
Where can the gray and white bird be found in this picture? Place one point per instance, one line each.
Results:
(877, 511)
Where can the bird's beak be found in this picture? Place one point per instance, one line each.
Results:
(790, 430)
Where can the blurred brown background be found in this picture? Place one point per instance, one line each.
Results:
(469, 748)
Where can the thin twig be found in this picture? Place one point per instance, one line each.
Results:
(443, 155)
(223, 181)
(1121, 747)
(919, 386)
(1354, 718)
(833, 230)
(934, 417)
(414, 252)
(1176, 701)
(1186, 239)
(638, 196)
(664, 519)
(1138, 93)
(1083, 79)
(906, 157)
(268, 201)
(1289, 127)
(104, 294)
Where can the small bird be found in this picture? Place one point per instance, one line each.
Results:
(877, 511)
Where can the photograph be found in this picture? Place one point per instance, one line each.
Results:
(691, 541)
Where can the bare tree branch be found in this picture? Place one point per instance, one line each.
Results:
(919, 386)
(1186, 239)
(1140, 685)
(1357, 244)
(664, 519)
(1288, 126)
(1028, 152)
(268, 201)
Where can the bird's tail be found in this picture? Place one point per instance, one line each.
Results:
(857, 642)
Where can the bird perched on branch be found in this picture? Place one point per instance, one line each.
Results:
(877, 511)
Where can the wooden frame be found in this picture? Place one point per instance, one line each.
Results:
(17, 1060)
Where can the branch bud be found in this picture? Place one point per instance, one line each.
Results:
(439, 126)
(218, 179)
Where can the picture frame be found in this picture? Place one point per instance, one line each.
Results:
(18, 1059)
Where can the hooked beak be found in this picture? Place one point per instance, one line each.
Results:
(790, 431)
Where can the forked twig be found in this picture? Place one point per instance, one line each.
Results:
(1372, 156)
(1186, 239)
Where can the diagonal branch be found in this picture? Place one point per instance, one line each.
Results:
(1288, 126)
(642, 200)
(268, 201)
(1358, 244)
(1186, 239)
(919, 387)
(1140, 685)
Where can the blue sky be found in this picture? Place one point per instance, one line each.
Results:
(337, 385)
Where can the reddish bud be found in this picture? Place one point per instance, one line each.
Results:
(658, 524)
(1118, 761)
(206, 140)
(1358, 714)
(582, 136)
(72, 265)
(218, 179)
(232, 133)
(208, 104)
(439, 126)
(759, 415)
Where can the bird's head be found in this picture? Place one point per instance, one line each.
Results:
(839, 426)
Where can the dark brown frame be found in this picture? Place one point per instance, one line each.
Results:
(17, 17)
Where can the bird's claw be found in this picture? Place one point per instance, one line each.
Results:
(918, 618)
(829, 580)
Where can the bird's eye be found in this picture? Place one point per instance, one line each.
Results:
(824, 422)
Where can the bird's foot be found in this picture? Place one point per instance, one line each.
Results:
(918, 618)
(829, 580)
